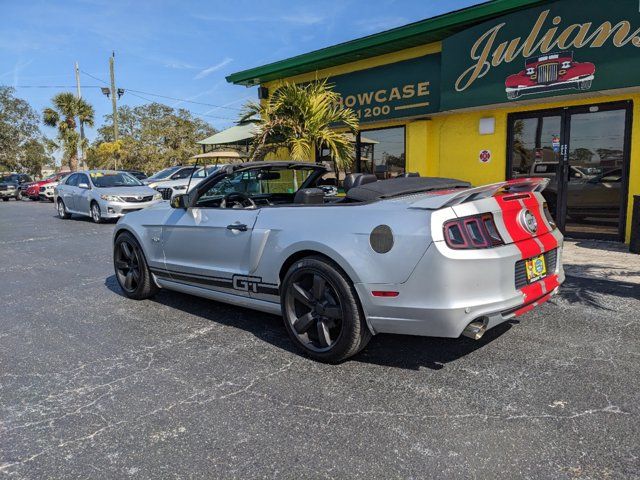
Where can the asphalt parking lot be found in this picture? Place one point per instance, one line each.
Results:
(95, 385)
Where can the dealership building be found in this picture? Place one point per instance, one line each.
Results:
(500, 90)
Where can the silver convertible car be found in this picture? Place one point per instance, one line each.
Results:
(410, 255)
(102, 194)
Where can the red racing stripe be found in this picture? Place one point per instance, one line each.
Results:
(531, 306)
(548, 241)
(521, 238)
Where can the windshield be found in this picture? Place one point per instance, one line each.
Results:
(205, 172)
(114, 179)
(9, 178)
(164, 173)
(256, 182)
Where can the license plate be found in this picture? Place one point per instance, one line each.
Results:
(536, 268)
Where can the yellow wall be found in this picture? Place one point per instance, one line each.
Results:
(448, 144)
(453, 145)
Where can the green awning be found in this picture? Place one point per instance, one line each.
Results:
(231, 136)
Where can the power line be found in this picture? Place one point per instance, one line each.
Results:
(165, 96)
(193, 113)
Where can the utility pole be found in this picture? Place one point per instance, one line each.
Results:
(114, 98)
(82, 162)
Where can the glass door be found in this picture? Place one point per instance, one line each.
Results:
(584, 151)
(535, 149)
(597, 161)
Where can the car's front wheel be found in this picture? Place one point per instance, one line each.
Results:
(96, 214)
(62, 210)
(131, 268)
(321, 310)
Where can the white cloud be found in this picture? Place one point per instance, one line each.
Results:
(178, 65)
(209, 70)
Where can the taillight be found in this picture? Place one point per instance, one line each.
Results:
(548, 216)
(476, 231)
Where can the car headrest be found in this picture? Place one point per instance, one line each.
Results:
(357, 179)
(309, 196)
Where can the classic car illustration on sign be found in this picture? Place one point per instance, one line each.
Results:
(411, 255)
(553, 71)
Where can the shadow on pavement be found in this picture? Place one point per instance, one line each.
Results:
(399, 351)
(585, 291)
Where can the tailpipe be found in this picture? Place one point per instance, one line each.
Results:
(475, 330)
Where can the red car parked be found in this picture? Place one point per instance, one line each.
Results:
(33, 189)
(553, 71)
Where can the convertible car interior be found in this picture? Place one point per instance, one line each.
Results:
(295, 183)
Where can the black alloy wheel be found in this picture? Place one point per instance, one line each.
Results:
(131, 268)
(322, 312)
(128, 266)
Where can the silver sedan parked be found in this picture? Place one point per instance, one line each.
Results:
(102, 194)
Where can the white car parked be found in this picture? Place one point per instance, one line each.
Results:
(173, 187)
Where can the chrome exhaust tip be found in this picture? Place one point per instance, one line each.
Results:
(475, 330)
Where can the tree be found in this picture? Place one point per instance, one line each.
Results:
(302, 118)
(18, 126)
(67, 114)
(151, 137)
(36, 154)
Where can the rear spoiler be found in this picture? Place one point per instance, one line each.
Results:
(436, 200)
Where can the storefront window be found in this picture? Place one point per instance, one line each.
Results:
(381, 152)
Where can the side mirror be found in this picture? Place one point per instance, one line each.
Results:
(181, 200)
(83, 185)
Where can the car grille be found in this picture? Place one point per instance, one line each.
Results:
(550, 258)
(148, 198)
(547, 72)
(166, 193)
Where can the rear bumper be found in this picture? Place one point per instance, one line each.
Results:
(8, 193)
(450, 289)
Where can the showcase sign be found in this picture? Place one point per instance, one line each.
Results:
(560, 48)
(398, 90)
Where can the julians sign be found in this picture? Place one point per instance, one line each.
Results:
(559, 48)
(403, 89)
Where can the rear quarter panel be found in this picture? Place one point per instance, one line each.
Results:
(342, 233)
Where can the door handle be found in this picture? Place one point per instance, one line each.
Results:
(241, 227)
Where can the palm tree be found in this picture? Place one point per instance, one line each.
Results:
(302, 118)
(67, 114)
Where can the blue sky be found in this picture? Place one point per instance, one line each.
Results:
(180, 49)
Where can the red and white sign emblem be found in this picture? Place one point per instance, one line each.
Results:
(485, 156)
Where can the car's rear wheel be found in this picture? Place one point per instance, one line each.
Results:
(131, 268)
(96, 214)
(5, 199)
(62, 210)
(322, 312)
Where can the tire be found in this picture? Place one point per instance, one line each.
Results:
(5, 199)
(62, 211)
(131, 269)
(321, 311)
(96, 214)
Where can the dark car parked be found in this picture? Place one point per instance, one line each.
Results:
(11, 185)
